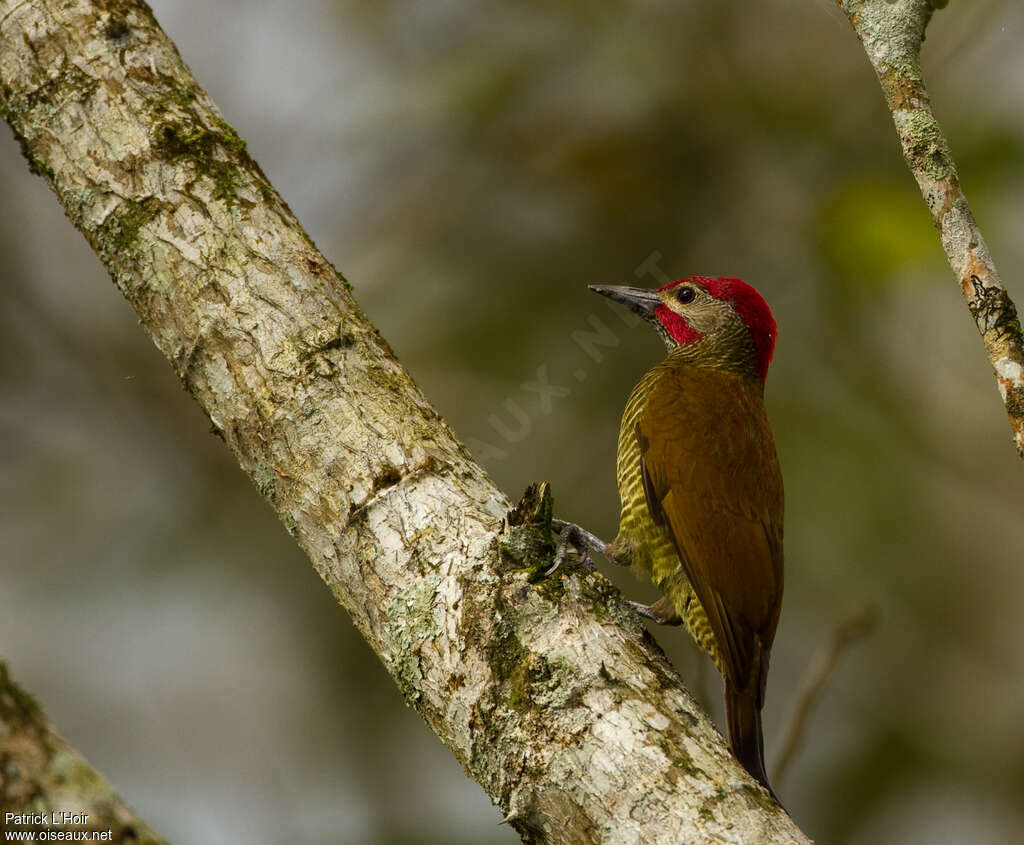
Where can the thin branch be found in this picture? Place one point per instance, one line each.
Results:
(45, 785)
(549, 694)
(892, 32)
(819, 672)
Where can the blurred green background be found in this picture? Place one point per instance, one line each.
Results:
(471, 167)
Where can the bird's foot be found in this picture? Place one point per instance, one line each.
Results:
(583, 540)
(660, 612)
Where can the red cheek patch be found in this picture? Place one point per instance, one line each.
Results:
(677, 327)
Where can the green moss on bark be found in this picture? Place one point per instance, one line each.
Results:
(120, 231)
(214, 155)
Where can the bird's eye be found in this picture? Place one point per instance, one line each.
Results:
(686, 295)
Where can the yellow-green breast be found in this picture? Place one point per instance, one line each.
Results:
(641, 543)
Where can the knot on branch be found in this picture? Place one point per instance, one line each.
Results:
(527, 541)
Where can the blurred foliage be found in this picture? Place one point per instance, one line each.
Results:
(471, 167)
(870, 232)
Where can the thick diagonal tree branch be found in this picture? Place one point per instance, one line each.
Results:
(550, 695)
(45, 785)
(892, 33)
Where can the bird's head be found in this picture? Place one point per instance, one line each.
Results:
(728, 313)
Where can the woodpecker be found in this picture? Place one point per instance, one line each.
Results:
(701, 488)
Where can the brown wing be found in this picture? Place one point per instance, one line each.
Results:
(711, 473)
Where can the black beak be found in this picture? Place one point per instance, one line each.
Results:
(638, 300)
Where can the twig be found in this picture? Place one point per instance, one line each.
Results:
(892, 32)
(819, 671)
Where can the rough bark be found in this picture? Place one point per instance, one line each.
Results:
(892, 32)
(47, 785)
(549, 693)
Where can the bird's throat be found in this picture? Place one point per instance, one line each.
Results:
(730, 350)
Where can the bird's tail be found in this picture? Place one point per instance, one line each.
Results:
(743, 714)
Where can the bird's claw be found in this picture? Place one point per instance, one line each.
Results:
(647, 611)
(581, 539)
(560, 551)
